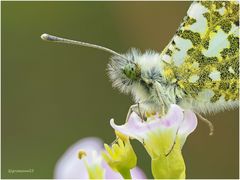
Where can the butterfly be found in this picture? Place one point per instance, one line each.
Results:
(197, 70)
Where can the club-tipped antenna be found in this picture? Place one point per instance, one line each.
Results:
(47, 37)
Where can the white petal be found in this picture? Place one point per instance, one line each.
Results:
(188, 126)
(69, 166)
(138, 129)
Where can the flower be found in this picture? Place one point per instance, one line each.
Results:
(163, 139)
(83, 160)
(121, 156)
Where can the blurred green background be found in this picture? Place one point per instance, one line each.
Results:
(55, 94)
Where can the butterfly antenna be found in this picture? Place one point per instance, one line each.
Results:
(47, 37)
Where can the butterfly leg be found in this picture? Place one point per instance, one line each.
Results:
(135, 108)
(209, 123)
(132, 108)
(159, 93)
(157, 88)
(139, 110)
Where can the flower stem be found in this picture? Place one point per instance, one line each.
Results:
(125, 173)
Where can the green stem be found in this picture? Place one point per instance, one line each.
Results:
(125, 173)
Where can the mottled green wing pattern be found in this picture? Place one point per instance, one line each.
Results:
(204, 53)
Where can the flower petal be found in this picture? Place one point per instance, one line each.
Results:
(137, 128)
(188, 126)
(157, 134)
(69, 166)
(137, 173)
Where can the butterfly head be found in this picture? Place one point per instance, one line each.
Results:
(131, 70)
(124, 71)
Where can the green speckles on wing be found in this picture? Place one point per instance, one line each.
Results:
(225, 25)
(224, 85)
(214, 49)
(203, 60)
(215, 17)
(208, 18)
(194, 37)
(216, 97)
(224, 53)
(189, 21)
(205, 42)
(169, 52)
(234, 44)
(233, 87)
(207, 4)
(235, 66)
(190, 51)
(219, 4)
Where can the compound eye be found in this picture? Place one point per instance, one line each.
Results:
(130, 71)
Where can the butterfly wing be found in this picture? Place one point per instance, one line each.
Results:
(204, 52)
